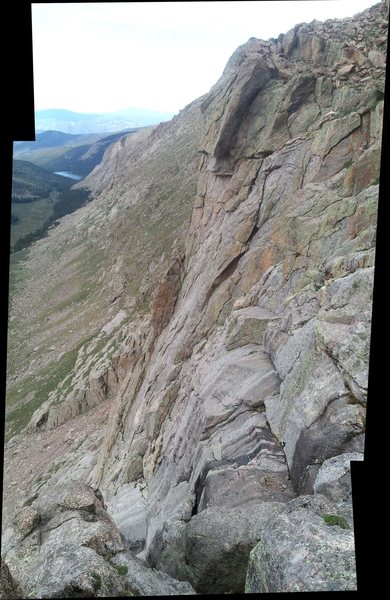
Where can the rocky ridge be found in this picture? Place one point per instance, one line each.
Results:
(235, 366)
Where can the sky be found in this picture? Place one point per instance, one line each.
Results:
(104, 57)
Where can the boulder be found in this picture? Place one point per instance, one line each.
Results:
(142, 580)
(26, 520)
(334, 481)
(66, 545)
(305, 547)
(212, 550)
(77, 496)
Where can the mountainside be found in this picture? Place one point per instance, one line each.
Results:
(76, 123)
(63, 152)
(190, 383)
(34, 194)
(30, 181)
(39, 198)
(52, 139)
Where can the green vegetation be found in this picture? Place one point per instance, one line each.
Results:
(26, 240)
(97, 580)
(57, 151)
(48, 211)
(48, 381)
(336, 520)
(122, 569)
(369, 35)
(348, 164)
(39, 199)
(30, 182)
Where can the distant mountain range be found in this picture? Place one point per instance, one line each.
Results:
(53, 139)
(73, 122)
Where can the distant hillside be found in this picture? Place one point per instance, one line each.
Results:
(30, 182)
(39, 198)
(74, 122)
(39, 195)
(53, 139)
(57, 151)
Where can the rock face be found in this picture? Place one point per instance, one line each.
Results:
(9, 589)
(212, 549)
(303, 548)
(66, 545)
(235, 357)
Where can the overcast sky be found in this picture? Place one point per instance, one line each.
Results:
(102, 57)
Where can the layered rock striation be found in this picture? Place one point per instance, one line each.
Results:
(238, 381)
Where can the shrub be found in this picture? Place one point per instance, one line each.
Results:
(336, 520)
(122, 569)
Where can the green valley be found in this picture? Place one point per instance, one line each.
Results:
(39, 198)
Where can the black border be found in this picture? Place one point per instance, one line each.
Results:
(17, 124)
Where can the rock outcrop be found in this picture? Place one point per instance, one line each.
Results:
(304, 548)
(231, 332)
(64, 544)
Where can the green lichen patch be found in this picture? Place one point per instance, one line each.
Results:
(97, 581)
(332, 520)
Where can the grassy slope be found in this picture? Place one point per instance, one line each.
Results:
(31, 216)
(32, 182)
(43, 344)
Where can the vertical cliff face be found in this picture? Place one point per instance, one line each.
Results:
(240, 388)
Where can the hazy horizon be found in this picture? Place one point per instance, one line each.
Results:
(108, 112)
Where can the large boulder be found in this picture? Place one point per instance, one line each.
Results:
(334, 481)
(305, 547)
(64, 544)
(142, 580)
(212, 549)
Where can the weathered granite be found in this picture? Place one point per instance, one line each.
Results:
(75, 550)
(305, 547)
